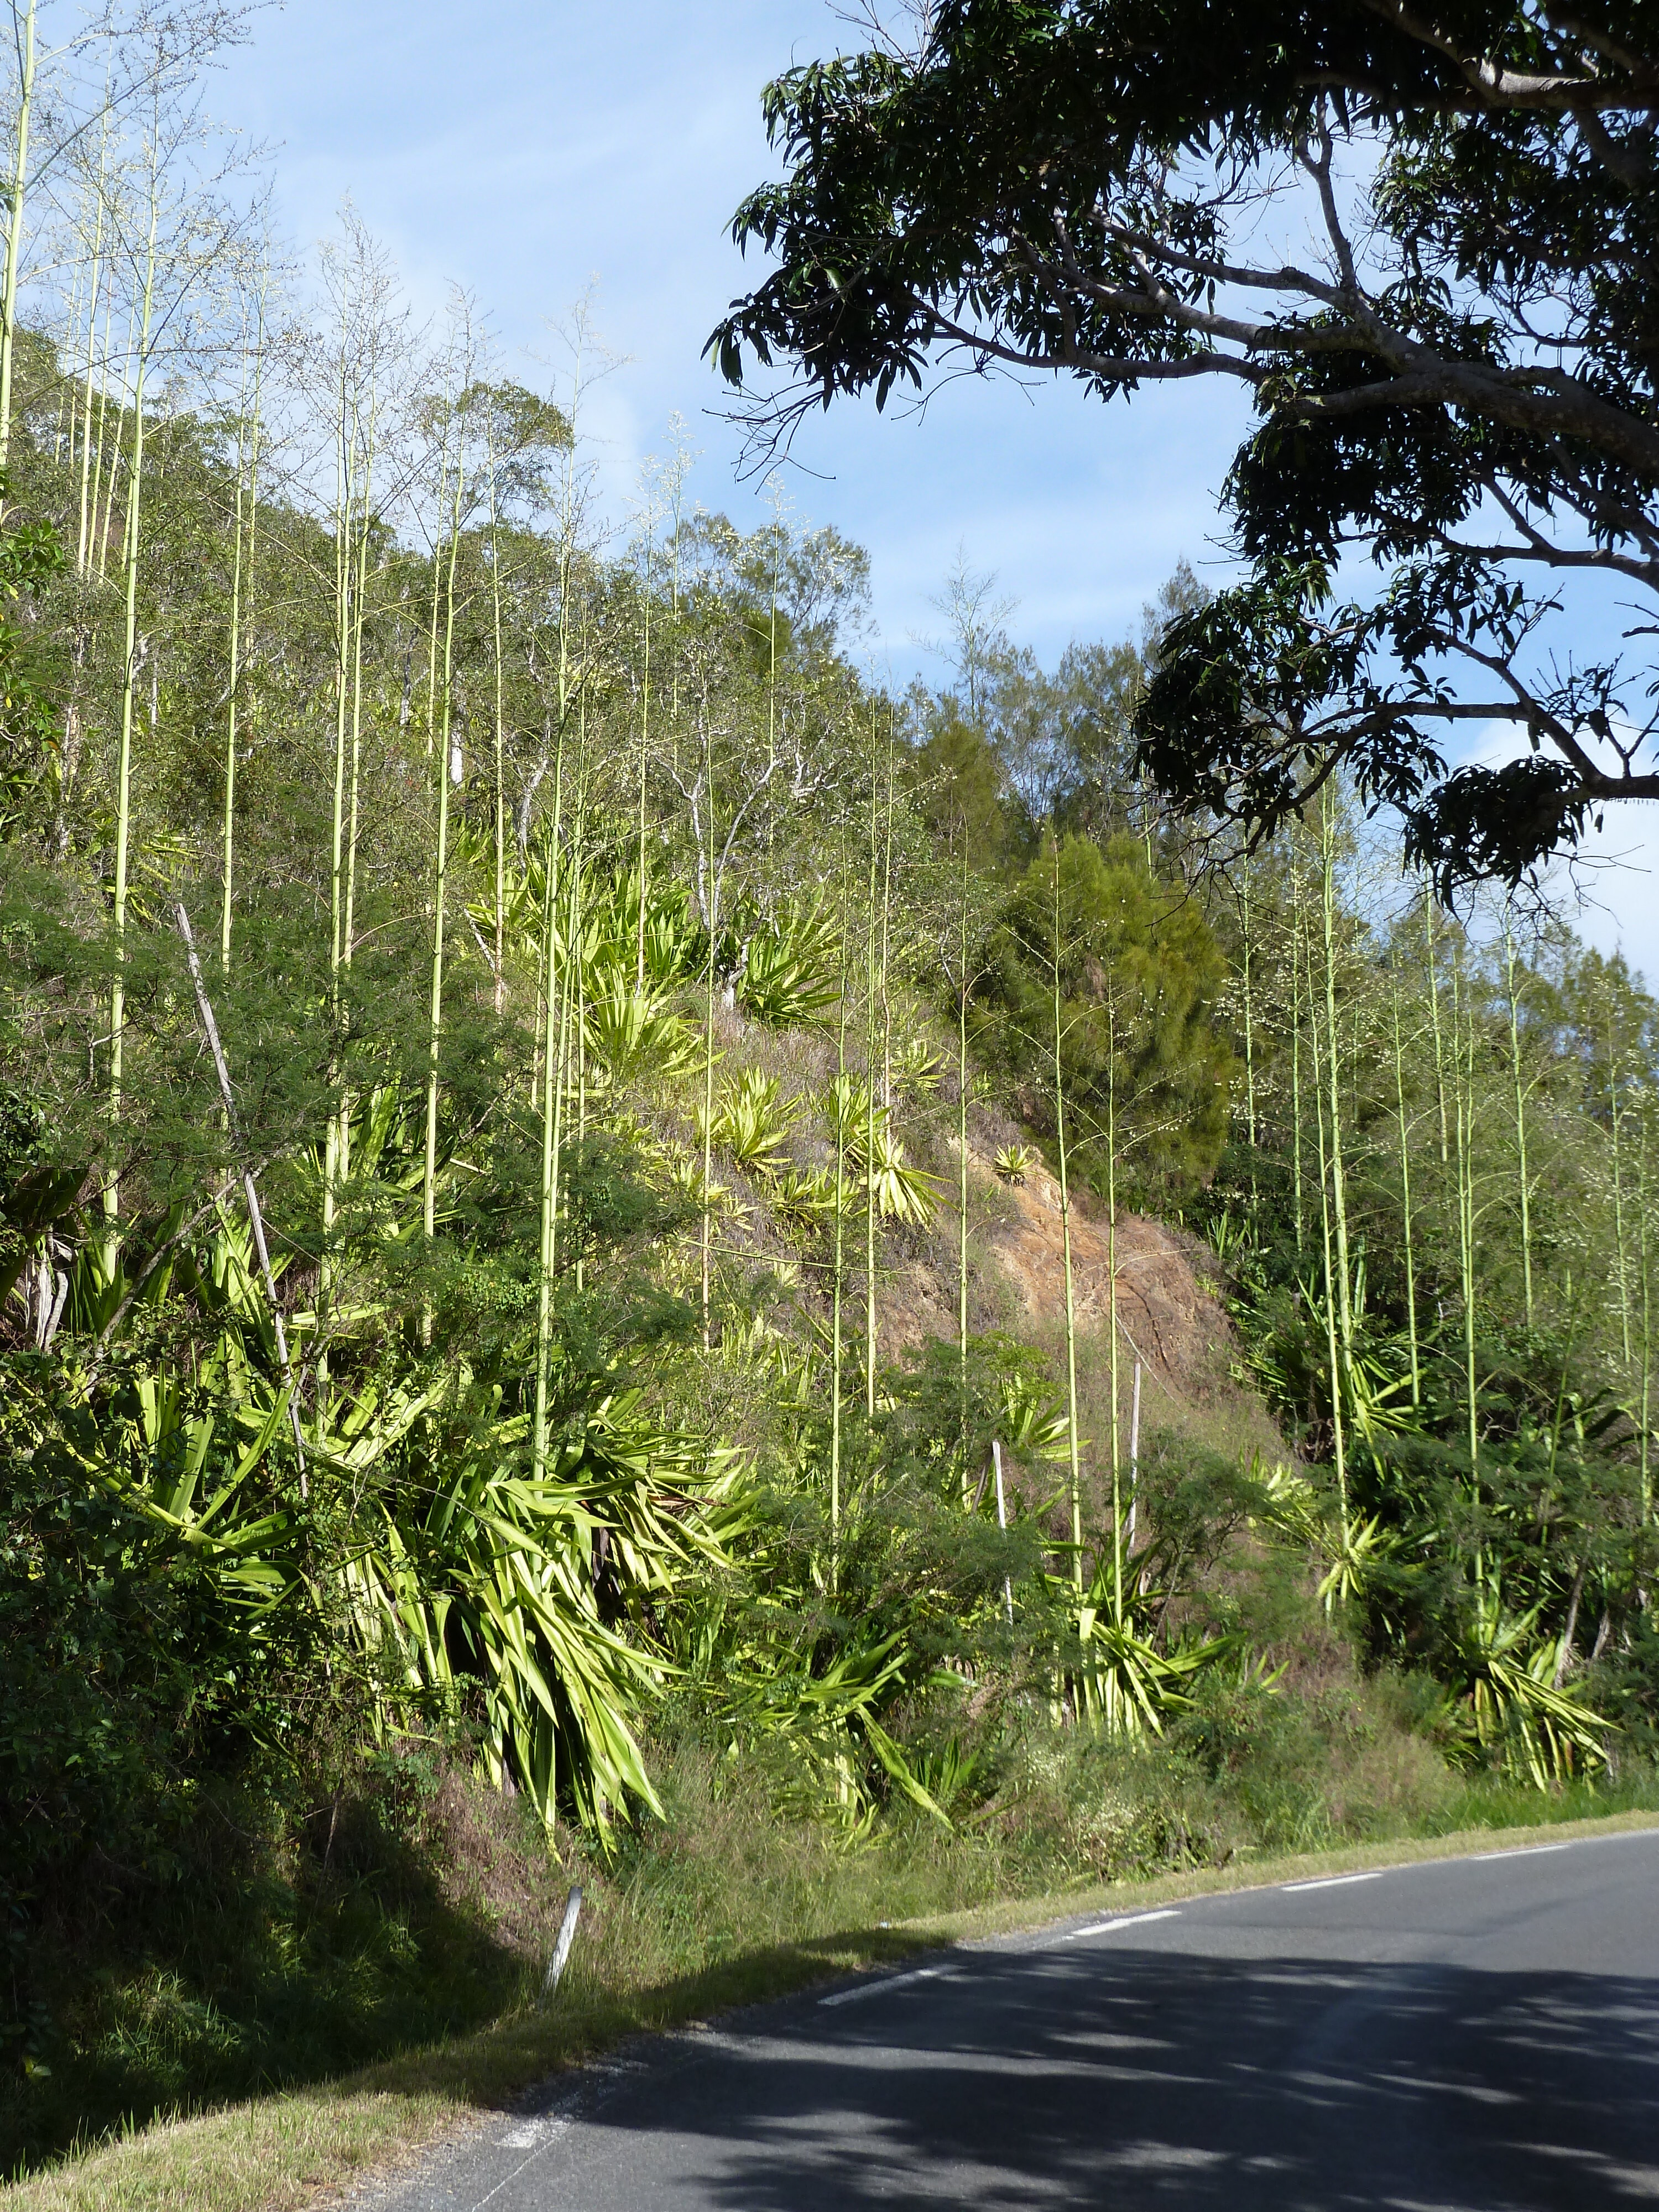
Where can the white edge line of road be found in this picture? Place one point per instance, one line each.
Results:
(1467, 1858)
(1126, 1920)
(1288, 1888)
(1333, 1881)
(875, 1989)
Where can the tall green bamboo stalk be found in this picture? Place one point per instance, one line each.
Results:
(440, 870)
(645, 756)
(962, 1163)
(131, 535)
(16, 184)
(1338, 1178)
(838, 1274)
(99, 364)
(1433, 966)
(501, 714)
(1463, 1122)
(1408, 1221)
(1615, 1116)
(247, 434)
(1111, 1295)
(344, 508)
(1516, 1074)
(1334, 1352)
(359, 616)
(554, 996)
(1646, 1465)
(437, 587)
(1073, 1459)
(772, 640)
(1249, 1019)
(96, 279)
(1297, 1144)
(870, 1100)
(338, 1166)
(707, 1248)
(1645, 1199)
(886, 930)
(345, 499)
(575, 1048)
(103, 497)
(67, 398)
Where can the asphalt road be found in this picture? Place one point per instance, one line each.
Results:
(1478, 2033)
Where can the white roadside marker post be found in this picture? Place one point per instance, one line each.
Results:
(573, 1906)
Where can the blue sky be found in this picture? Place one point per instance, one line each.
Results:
(527, 152)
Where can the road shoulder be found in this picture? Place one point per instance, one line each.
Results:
(306, 2148)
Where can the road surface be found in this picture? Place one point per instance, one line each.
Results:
(1470, 2035)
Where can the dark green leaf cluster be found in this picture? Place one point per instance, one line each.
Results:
(1458, 376)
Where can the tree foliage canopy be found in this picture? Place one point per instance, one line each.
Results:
(1147, 1072)
(1422, 242)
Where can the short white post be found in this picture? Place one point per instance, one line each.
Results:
(573, 1906)
(1002, 1522)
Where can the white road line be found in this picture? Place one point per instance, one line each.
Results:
(876, 1988)
(1520, 1851)
(544, 2134)
(1130, 1920)
(1335, 1880)
(532, 2134)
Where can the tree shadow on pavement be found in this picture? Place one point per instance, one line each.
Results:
(1142, 2078)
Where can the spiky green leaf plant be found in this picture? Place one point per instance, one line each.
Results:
(752, 1121)
(788, 966)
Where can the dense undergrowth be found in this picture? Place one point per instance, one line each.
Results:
(300, 1916)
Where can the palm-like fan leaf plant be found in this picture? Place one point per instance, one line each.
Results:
(862, 1132)
(752, 1121)
(633, 1035)
(803, 1199)
(1518, 1715)
(789, 966)
(903, 1192)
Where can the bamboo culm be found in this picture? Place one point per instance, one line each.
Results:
(128, 677)
(440, 882)
(1073, 1461)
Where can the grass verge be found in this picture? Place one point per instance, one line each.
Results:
(296, 2149)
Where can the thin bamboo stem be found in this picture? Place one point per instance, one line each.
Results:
(252, 438)
(645, 754)
(1433, 966)
(962, 1169)
(500, 718)
(1516, 1070)
(17, 187)
(111, 1196)
(1295, 1054)
(1408, 1223)
(552, 994)
(1074, 1459)
(1339, 1439)
(1338, 1182)
(439, 880)
(870, 1105)
(839, 1265)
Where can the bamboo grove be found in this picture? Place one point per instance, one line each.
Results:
(1436, 1215)
(501, 1010)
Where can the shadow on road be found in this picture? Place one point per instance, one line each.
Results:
(1139, 2078)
